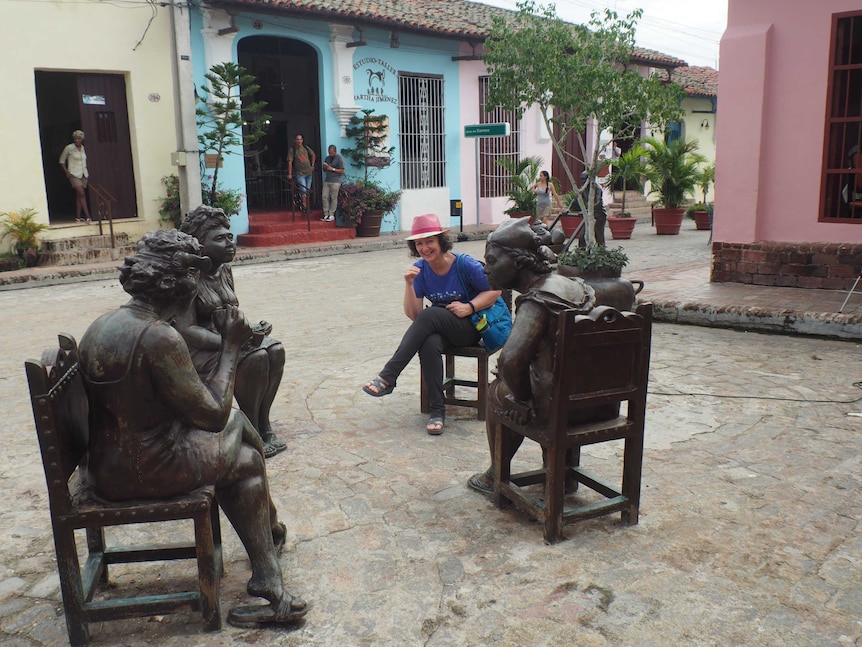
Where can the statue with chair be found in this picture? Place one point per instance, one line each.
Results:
(131, 433)
(561, 376)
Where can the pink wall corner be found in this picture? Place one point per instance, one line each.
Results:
(772, 96)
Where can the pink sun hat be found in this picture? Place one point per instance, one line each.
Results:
(425, 226)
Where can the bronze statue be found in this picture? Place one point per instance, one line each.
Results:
(516, 259)
(261, 360)
(157, 430)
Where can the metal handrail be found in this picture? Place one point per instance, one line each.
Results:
(103, 207)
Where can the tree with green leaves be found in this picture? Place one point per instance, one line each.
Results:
(576, 74)
(228, 116)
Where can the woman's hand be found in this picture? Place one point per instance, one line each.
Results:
(232, 325)
(410, 274)
(460, 309)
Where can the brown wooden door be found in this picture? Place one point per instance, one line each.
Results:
(558, 171)
(105, 121)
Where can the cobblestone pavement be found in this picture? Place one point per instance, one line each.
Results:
(749, 530)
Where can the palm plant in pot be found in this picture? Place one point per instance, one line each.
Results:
(23, 229)
(672, 169)
(364, 202)
(628, 168)
(700, 212)
(522, 176)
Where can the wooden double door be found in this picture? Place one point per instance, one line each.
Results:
(96, 104)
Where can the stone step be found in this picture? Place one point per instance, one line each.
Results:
(80, 250)
(296, 237)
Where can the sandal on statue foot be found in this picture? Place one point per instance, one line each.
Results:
(377, 387)
(482, 482)
(289, 610)
(273, 446)
(434, 426)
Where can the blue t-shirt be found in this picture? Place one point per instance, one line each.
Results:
(443, 290)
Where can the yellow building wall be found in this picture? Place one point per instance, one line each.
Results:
(116, 37)
(700, 126)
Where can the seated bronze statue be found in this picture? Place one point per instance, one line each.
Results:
(158, 430)
(516, 259)
(261, 360)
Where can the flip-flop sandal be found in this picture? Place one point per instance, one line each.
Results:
(255, 616)
(381, 387)
(434, 426)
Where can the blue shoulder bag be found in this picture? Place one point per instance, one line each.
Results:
(495, 323)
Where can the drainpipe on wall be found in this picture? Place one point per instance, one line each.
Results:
(186, 157)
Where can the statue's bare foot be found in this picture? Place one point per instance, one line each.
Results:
(289, 609)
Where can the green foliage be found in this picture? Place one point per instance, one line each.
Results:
(169, 204)
(629, 168)
(582, 71)
(369, 134)
(591, 259)
(697, 206)
(355, 198)
(22, 228)
(705, 178)
(672, 169)
(228, 200)
(522, 176)
(227, 115)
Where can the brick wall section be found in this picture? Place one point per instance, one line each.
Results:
(830, 266)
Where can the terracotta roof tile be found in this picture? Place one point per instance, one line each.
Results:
(697, 81)
(459, 19)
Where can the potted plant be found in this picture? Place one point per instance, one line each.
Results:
(364, 202)
(702, 215)
(629, 168)
(570, 220)
(672, 169)
(600, 268)
(522, 176)
(22, 228)
(699, 212)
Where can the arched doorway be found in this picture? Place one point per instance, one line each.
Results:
(287, 73)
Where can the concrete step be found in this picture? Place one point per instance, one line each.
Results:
(296, 237)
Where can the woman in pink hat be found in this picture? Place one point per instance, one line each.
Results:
(447, 323)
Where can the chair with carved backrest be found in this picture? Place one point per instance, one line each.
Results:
(601, 360)
(451, 381)
(60, 409)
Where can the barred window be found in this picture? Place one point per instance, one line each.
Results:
(493, 180)
(422, 134)
(842, 169)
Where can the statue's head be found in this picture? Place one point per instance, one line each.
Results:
(512, 249)
(163, 270)
(202, 220)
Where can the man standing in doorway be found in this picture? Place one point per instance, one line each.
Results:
(301, 159)
(333, 167)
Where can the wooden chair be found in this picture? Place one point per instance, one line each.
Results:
(602, 360)
(60, 409)
(450, 380)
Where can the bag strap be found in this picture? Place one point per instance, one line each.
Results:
(463, 276)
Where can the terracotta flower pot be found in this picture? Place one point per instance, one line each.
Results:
(621, 228)
(668, 221)
(701, 220)
(370, 225)
(570, 224)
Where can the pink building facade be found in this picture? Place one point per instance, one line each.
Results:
(791, 101)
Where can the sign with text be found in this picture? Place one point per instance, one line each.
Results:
(487, 130)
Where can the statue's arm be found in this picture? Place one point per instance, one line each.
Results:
(196, 336)
(513, 366)
(204, 406)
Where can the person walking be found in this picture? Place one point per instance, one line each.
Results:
(333, 168)
(73, 161)
(301, 160)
